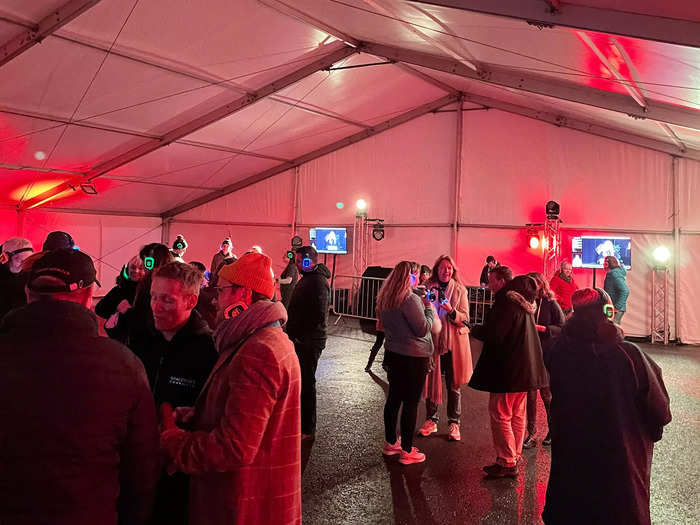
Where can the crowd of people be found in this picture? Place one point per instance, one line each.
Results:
(194, 409)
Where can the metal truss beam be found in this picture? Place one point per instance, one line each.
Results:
(325, 150)
(566, 121)
(340, 52)
(635, 25)
(124, 213)
(543, 85)
(47, 25)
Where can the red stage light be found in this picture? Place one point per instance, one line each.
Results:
(534, 241)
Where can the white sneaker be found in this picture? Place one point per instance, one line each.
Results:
(414, 456)
(429, 427)
(391, 450)
(453, 432)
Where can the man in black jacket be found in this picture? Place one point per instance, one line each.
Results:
(509, 366)
(609, 408)
(79, 430)
(178, 360)
(306, 327)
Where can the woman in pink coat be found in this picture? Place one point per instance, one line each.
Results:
(452, 349)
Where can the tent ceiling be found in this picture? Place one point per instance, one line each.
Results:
(167, 113)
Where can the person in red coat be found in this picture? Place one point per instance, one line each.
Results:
(564, 286)
(241, 443)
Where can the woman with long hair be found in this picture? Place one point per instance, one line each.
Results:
(407, 321)
(452, 349)
(616, 286)
(549, 319)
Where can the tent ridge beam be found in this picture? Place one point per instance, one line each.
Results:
(565, 121)
(340, 52)
(602, 20)
(46, 26)
(339, 144)
(542, 85)
(120, 213)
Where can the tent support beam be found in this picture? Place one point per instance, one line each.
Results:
(47, 25)
(659, 111)
(80, 211)
(458, 173)
(340, 52)
(635, 25)
(564, 121)
(676, 247)
(347, 141)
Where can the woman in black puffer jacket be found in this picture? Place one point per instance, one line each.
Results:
(550, 319)
(120, 298)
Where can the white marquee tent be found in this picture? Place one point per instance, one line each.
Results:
(455, 119)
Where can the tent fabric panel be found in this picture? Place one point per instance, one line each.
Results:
(406, 174)
(271, 128)
(120, 196)
(8, 223)
(269, 201)
(363, 93)
(689, 189)
(208, 47)
(110, 241)
(690, 289)
(204, 241)
(508, 159)
(172, 159)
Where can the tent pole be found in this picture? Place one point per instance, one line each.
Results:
(295, 204)
(458, 173)
(676, 247)
(165, 231)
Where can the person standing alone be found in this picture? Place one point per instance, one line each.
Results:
(306, 327)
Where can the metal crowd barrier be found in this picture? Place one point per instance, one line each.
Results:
(355, 296)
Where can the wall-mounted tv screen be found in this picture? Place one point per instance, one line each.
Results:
(589, 251)
(329, 240)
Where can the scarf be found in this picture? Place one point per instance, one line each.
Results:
(232, 332)
(564, 278)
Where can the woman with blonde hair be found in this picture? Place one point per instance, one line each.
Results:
(407, 321)
(452, 350)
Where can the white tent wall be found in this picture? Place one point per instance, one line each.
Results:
(511, 166)
(109, 239)
(688, 174)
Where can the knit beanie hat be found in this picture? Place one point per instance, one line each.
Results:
(253, 270)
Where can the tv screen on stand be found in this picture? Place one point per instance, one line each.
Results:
(589, 251)
(329, 240)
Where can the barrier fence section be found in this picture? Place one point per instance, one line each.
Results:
(355, 296)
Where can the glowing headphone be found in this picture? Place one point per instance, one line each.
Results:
(290, 255)
(306, 262)
(604, 300)
(149, 263)
(234, 310)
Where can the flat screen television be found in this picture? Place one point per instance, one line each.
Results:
(589, 251)
(329, 240)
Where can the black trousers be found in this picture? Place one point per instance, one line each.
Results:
(546, 395)
(406, 381)
(375, 348)
(308, 354)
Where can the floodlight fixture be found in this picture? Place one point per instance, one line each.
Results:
(361, 208)
(88, 188)
(661, 254)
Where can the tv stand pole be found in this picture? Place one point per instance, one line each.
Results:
(593, 277)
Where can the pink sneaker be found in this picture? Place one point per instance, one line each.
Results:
(453, 433)
(414, 456)
(429, 427)
(391, 450)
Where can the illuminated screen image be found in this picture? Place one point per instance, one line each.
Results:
(329, 240)
(590, 251)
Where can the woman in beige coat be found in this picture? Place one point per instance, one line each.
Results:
(452, 349)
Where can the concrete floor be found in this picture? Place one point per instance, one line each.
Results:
(347, 480)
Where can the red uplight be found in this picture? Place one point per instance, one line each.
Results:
(534, 241)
